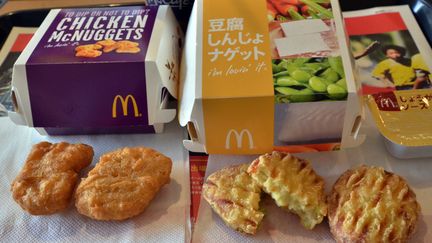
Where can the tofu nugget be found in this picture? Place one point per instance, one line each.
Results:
(293, 184)
(369, 204)
(46, 182)
(235, 197)
(123, 183)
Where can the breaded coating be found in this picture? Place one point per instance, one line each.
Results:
(369, 204)
(293, 184)
(46, 182)
(88, 47)
(127, 47)
(88, 53)
(123, 183)
(235, 197)
(108, 45)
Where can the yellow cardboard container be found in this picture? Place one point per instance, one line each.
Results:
(233, 101)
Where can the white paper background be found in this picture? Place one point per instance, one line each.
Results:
(300, 44)
(163, 221)
(301, 27)
(281, 226)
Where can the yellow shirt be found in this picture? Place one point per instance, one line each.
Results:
(400, 74)
(417, 62)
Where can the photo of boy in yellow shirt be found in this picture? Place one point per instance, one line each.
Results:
(403, 72)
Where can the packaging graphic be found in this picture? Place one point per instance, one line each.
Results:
(395, 62)
(262, 76)
(99, 70)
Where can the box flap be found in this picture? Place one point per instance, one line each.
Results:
(190, 88)
(23, 113)
(165, 47)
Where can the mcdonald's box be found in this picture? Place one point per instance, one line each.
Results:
(99, 70)
(264, 75)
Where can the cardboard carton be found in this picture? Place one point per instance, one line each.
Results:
(254, 79)
(99, 70)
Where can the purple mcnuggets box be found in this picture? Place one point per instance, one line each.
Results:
(99, 70)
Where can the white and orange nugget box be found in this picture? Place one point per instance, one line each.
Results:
(258, 76)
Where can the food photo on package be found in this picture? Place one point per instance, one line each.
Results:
(128, 57)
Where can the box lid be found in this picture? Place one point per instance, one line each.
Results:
(99, 41)
(227, 85)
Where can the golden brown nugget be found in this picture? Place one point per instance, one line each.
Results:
(235, 197)
(123, 183)
(107, 49)
(127, 47)
(128, 50)
(46, 182)
(108, 45)
(369, 204)
(293, 184)
(126, 43)
(88, 53)
(88, 47)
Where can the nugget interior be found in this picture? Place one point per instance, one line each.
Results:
(123, 183)
(46, 182)
(369, 204)
(235, 197)
(293, 184)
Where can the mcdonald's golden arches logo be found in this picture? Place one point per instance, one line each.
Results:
(124, 105)
(239, 138)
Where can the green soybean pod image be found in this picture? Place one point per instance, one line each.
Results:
(303, 95)
(276, 68)
(301, 76)
(342, 83)
(330, 75)
(287, 90)
(291, 68)
(280, 74)
(315, 67)
(336, 64)
(317, 84)
(336, 92)
(286, 81)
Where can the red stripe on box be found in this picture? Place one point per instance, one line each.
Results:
(367, 90)
(21, 42)
(374, 24)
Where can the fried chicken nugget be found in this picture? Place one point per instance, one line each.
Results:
(127, 47)
(235, 197)
(88, 53)
(108, 45)
(88, 47)
(126, 43)
(293, 184)
(369, 204)
(128, 50)
(123, 183)
(46, 182)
